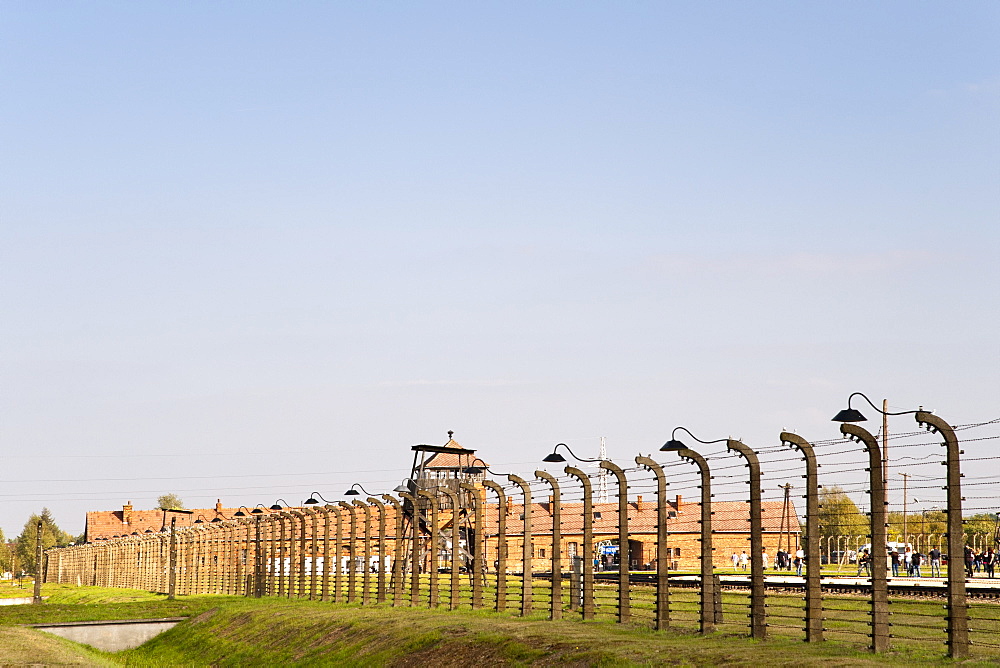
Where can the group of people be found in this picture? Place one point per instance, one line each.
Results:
(982, 561)
(783, 561)
(911, 561)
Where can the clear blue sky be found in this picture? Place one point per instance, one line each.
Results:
(263, 239)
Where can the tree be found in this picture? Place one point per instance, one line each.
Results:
(52, 536)
(984, 524)
(6, 554)
(839, 515)
(169, 502)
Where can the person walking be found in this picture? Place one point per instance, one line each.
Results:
(915, 560)
(908, 561)
(800, 561)
(764, 558)
(970, 557)
(935, 555)
(736, 561)
(864, 563)
(895, 563)
(744, 560)
(990, 562)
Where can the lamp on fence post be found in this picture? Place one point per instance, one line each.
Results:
(662, 549)
(710, 614)
(555, 609)
(879, 595)
(958, 613)
(588, 532)
(814, 590)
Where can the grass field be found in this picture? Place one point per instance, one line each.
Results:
(235, 631)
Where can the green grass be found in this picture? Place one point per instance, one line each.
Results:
(235, 631)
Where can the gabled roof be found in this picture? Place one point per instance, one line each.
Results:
(450, 461)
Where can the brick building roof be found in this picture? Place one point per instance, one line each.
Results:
(729, 516)
(102, 524)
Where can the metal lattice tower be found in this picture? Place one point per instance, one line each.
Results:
(602, 481)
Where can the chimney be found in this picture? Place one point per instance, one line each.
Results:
(638, 503)
(677, 503)
(127, 513)
(218, 506)
(551, 501)
(510, 504)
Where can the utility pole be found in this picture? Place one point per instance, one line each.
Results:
(786, 524)
(602, 478)
(905, 499)
(39, 570)
(885, 448)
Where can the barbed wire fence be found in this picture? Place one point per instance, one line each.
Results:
(543, 544)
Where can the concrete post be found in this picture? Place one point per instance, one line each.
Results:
(414, 550)
(624, 609)
(477, 544)
(814, 590)
(880, 593)
(39, 566)
(397, 558)
(352, 569)
(588, 540)
(501, 565)
(958, 610)
(434, 595)
(758, 618)
(172, 567)
(555, 607)
(662, 549)
(455, 568)
(366, 553)
(526, 547)
(709, 613)
(338, 570)
(380, 590)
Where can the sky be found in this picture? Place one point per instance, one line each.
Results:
(253, 250)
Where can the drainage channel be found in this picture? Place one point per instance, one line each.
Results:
(112, 635)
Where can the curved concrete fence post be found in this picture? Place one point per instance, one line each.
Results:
(624, 609)
(477, 544)
(434, 594)
(879, 592)
(352, 568)
(398, 545)
(555, 606)
(526, 546)
(958, 606)
(501, 560)
(414, 548)
(588, 540)
(380, 590)
(708, 609)
(366, 553)
(814, 590)
(662, 611)
(758, 618)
